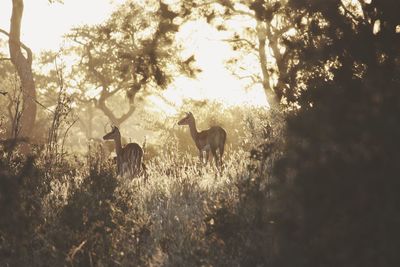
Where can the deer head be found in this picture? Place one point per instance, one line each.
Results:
(113, 135)
(187, 119)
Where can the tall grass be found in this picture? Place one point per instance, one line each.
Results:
(179, 213)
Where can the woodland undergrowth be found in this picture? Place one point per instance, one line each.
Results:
(178, 213)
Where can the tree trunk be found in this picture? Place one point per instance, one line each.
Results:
(280, 62)
(116, 121)
(23, 66)
(269, 91)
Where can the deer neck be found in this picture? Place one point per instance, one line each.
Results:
(118, 146)
(193, 131)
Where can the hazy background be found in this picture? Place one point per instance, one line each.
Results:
(307, 92)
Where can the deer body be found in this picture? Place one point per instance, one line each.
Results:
(206, 141)
(129, 157)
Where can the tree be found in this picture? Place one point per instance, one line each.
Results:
(133, 51)
(10, 94)
(23, 65)
(259, 31)
(342, 144)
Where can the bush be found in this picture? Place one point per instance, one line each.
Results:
(182, 214)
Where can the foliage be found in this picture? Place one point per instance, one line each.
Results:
(312, 183)
(181, 214)
(11, 95)
(132, 52)
(259, 33)
(341, 152)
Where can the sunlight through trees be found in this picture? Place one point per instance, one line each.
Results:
(308, 179)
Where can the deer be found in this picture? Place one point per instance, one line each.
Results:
(129, 157)
(212, 139)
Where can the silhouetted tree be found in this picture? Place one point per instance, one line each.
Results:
(133, 51)
(261, 36)
(341, 162)
(23, 65)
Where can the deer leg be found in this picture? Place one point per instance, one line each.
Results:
(207, 156)
(221, 150)
(137, 165)
(132, 165)
(220, 156)
(214, 152)
(134, 168)
(201, 156)
(119, 167)
(125, 170)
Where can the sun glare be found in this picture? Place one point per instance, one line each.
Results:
(215, 82)
(45, 24)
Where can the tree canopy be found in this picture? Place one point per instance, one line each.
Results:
(342, 144)
(133, 51)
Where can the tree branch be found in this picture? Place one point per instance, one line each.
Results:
(242, 12)
(348, 12)
(92, 68)
(26, 48)
(235, 11)
(269, 91)
(282, 30)
(101, 104)
(234, 40)
(254, 78)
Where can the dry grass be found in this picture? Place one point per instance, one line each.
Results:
(180, 213)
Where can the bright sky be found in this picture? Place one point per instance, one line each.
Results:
(44, 24)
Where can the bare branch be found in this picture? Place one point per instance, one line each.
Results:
(242, 12)
(237, 11)
(254, 78)
(65, 134)
(234, 40)
(74, 250)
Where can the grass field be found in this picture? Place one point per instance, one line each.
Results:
(75, 211)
